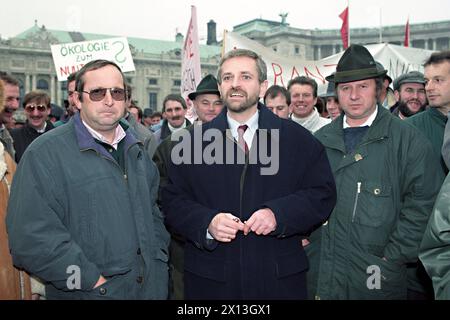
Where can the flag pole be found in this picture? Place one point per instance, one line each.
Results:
(348, 6)
(381, 26)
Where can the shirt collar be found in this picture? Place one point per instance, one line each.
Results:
(251, 123)
(173, 129)
(119, 135)
(368, 122)
(43, 128)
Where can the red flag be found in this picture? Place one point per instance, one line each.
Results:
(344, 28)
(406, 43)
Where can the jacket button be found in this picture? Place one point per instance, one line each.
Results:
(102, 291)
(140, 279)
(139, 251)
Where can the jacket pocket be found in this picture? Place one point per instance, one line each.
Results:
(373, 203)
(291, 263)
(371, 277)
(205, 267)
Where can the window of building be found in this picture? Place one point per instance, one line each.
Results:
(442, 44)
(177, 83)
(42, 84)
(43, 65)
(129, 80)
(418, 44)
(274, 49)
(153, 82)
(297, 50)
(18, 63)
(153, 100)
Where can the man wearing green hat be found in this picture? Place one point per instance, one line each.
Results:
(387, 179)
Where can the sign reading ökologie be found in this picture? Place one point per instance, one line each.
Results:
(71, 57)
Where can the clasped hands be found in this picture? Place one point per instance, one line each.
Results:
(225, 226)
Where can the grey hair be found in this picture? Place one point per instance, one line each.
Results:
(261, 66)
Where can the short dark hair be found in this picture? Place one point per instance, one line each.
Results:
(7, 79)
(275, 91)
(71, 77)
(302, 80)
(37, 95)
(174, 97)
(261, 66)
(156, 114)
(90, 66)
(133, 106)
(438, 57)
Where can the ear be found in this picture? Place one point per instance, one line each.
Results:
(76, 100)
(263, 88)
(397, 95)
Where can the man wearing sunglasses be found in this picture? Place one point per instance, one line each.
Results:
(12, 98)
(37, 110)
(82, 214)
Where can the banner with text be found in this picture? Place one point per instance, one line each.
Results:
(190, 65)
(396, 59)
(71, 57)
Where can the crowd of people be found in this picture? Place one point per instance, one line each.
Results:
(271, 193)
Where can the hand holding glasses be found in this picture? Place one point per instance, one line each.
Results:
(99, 94)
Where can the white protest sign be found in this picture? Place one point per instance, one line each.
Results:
(71, 57)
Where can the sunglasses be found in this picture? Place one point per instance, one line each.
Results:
(99, 94)
(30, 108)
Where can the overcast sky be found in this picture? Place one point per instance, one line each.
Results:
(161, 18)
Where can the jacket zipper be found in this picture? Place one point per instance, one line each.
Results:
(124, 171)
(358, 191)
(241, 195)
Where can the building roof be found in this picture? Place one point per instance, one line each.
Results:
(261, 25)
(141, 45)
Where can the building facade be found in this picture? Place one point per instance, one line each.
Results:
(158, 64)
(27, 56)
(317, 44)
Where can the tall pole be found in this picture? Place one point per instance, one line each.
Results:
(381, 26)
(348, 6)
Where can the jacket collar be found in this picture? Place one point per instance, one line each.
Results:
(267, 120)
(86, 141)
(334, 134)
(49, 125)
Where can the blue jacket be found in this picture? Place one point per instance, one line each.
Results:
(72, 206)
(301, 195)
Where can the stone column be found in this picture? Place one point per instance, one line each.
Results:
(33, 82)
(319, 52)
(58, 93)
(52, 89)
(27, 83)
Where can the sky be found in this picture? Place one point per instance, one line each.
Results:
(162, 19)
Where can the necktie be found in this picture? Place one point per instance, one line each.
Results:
(241, 140)
(446, 144)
